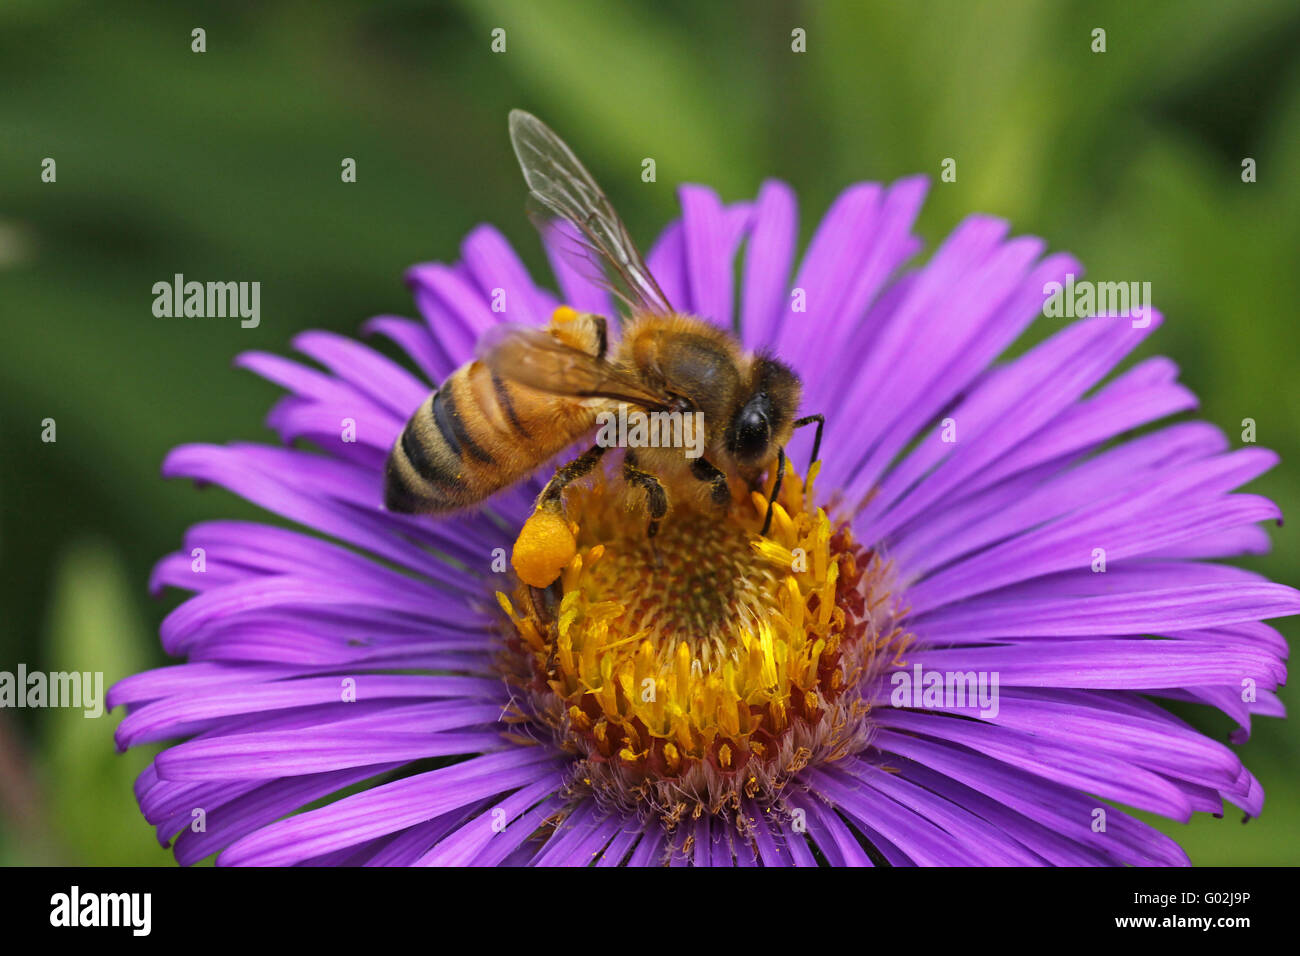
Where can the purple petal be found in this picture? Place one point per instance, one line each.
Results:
(767, 262)
(386, 809)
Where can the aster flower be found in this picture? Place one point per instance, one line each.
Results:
(968, 517)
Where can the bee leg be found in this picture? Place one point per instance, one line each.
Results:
(565, 475)
(546, 601)
(656, 497)
(817, 439)
(719, 491)
(776, 489)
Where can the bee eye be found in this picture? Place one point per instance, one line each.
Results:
(751, 430)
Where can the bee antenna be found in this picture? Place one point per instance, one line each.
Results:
(817, 438)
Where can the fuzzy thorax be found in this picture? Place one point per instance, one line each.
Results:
(709, 665)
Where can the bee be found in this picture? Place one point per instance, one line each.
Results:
(531, 392)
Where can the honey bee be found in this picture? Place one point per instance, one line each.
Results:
(532, 392)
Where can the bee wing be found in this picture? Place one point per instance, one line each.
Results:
(532, 357)
(562, 187)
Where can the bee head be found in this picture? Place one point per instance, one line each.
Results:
(750, 433)
(764, 421)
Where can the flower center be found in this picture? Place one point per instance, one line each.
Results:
(708, 664)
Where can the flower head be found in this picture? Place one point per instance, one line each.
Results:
(949, 647)
(707, 666)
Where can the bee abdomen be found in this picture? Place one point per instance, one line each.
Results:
(473, 437)
(425, 469)
(404, 494)
(451, 427)
(501, 393)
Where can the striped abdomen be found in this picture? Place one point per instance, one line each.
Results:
(474, 436)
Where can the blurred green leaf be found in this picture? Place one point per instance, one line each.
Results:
(94, 628)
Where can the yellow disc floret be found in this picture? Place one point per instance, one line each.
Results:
(707, 665)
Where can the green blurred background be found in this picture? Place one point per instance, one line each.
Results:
(225, 165)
